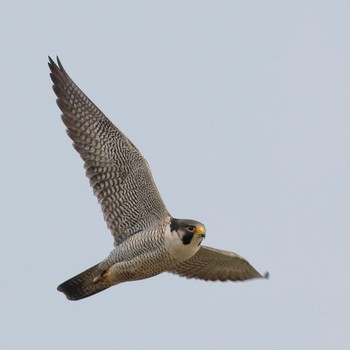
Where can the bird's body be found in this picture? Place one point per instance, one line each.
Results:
(148, 240)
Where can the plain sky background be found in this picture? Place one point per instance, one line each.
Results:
(242, 109)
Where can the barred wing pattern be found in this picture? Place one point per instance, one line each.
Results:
(119, 175)
(211, 264)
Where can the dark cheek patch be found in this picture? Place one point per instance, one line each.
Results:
(187, 238)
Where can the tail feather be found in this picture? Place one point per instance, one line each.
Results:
(83, 285)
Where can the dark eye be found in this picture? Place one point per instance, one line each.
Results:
(191, 228)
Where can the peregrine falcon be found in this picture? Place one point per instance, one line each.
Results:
(147, 239)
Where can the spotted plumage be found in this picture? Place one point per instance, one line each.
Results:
(147, 239)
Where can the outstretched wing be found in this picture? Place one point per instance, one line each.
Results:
(211, 264)
(119, 175)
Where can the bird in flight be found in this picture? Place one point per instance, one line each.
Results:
(147, 239)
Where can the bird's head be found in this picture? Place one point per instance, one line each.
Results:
(184, 238)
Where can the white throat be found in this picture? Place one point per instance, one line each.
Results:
(177, 249)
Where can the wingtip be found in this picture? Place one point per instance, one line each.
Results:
(59, 63)
(52, 63)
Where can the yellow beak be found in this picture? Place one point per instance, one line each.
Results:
(200, 231)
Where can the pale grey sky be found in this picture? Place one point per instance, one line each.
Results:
(242, 110)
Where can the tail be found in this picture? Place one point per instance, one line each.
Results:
(85, 284)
